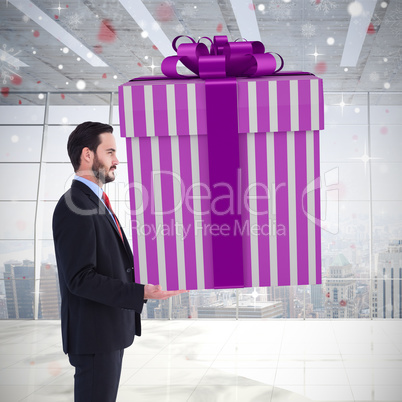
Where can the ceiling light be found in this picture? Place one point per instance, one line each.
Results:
(246, 20)
(51, 26)
(150, 27)
(359, 22)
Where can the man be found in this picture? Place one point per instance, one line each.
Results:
(101, 303)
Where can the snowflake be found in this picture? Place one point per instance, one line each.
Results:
(8, 69)
(189, 10)
(323, 5)
(73, 21)
(374, 76)
(279, 9)
(308, 30)
(179, 28)
(394, 21)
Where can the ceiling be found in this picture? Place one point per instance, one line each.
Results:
(38, 41)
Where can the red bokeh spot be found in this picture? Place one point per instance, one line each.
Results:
(38, 82)
(106, 32)
(139, 64)
(63, 96)
(386, 111)
(342, 303)
(154, 47)
(66, 5)
(384, 130)
(47, 266)
(219, 27)
(16, 79)
(353, 246)
(104, 75)
(328, 295)
(23, 277)
(54, 369)
(320, 67)
(164, 12)
(32, 363)
(355, 137)
(20, 102)
(36, 34)
(98, 49)
(21, 225)
(371, 29)
(5, 91)
(56, 17)
(251, 6)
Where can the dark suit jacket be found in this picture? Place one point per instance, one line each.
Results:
(100, 302)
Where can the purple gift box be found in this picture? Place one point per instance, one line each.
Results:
(224, 175)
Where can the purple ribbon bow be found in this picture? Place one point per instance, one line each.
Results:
(224, 59)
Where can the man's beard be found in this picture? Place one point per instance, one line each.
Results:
(100, 171)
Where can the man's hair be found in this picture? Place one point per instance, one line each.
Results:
(85, 135)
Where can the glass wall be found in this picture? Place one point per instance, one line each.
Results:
(361, 166)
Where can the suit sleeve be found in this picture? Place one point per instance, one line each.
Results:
(77, 251)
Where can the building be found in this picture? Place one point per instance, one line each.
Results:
(387, 292)
(20, 286)
(340, 289)
(49, 292)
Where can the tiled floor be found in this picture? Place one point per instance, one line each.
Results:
(277, 361)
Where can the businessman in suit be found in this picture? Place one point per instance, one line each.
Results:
(101, 302)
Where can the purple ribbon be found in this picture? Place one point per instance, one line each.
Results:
(224, 59)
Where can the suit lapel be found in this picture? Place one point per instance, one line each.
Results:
(102, 210)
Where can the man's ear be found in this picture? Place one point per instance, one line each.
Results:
(86, 155)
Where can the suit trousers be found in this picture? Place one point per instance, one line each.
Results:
(97, 376)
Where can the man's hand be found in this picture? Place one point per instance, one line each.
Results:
(156, 292)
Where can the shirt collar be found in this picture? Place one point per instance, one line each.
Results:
(94, 187)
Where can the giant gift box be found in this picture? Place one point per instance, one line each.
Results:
(224, 170)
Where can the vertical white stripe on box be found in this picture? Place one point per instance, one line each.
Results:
(310, 207)
(171, 108)
(273, 253)
(199, 245)
(252, 107)
(292, 207)
(128, 110)
(139, 205)
(192, 109)
(252, 209)
(177, 192)
(314, 102)
(157, 199)
(294, 105)
(149, 110)
(273, 107)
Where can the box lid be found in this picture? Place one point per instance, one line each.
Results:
(178, 107)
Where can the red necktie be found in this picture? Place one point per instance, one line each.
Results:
(105, 198)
